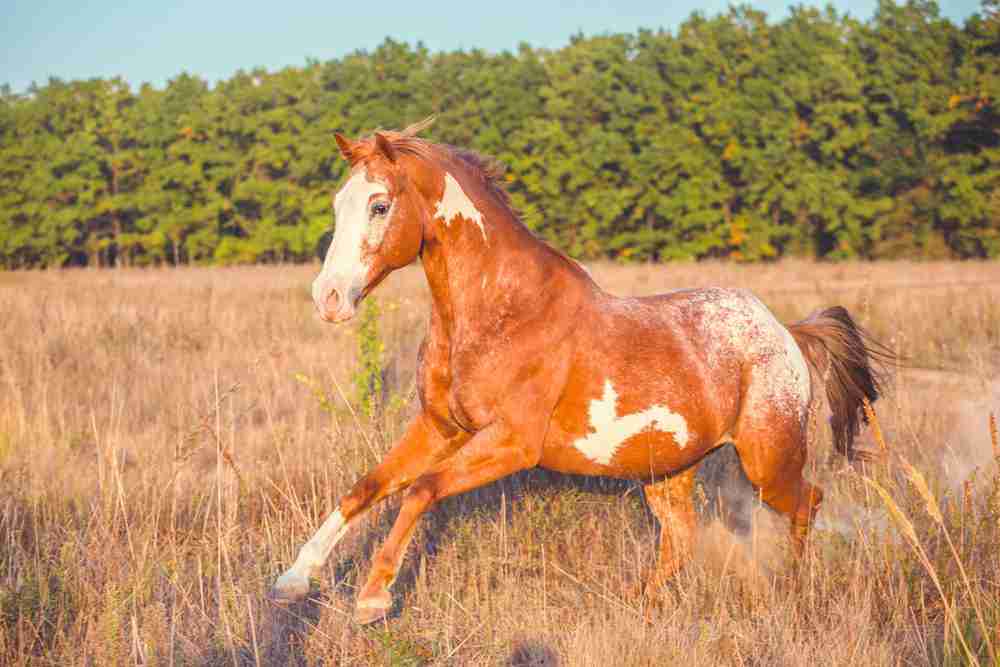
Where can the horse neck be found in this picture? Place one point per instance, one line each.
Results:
(477, 274)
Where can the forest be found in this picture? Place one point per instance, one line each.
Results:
(733, 136)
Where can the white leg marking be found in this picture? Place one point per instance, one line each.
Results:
(313, 554)
(610, 431)
(454, 202)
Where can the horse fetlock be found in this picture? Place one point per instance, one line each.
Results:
(372, 605)
(382, 575)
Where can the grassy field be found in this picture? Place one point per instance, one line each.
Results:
(169, 438)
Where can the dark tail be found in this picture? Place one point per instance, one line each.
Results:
(853, 364)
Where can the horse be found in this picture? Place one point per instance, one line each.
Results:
(528, 362)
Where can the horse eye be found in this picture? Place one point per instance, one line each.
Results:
(380, 208)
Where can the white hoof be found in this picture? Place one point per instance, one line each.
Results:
(290, 587)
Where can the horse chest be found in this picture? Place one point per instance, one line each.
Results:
(448, 390)
(471, 403)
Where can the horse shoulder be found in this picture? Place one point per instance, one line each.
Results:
(517, 367)
(434, 380)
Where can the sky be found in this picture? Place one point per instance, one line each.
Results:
(156, 41)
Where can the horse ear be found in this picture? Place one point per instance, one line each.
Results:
(385, 146)
(346, 149)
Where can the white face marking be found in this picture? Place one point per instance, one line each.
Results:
(610, 431)
(455, 202)
(344, 264)
(354, 224)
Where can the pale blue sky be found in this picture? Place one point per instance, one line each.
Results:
(146, 41)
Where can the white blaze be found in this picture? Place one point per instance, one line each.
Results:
(610, 431)
(455, 202)
(344, 263)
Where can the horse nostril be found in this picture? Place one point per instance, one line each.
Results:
(332, 301)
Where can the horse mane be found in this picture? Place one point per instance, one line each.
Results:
(489, 170)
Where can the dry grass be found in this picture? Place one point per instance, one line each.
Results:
(160, 464)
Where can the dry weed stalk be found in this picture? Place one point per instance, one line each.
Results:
(995, 492)
(919, 482)
(994, 438)
(876, 427)
(933, 509)
(209, 431)
(883, 453)
(905, 526)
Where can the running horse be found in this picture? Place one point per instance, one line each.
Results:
(528, 362)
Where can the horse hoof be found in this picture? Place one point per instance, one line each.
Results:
(289, 587)
(373, 608)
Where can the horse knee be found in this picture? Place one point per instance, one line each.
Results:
(421, 495)
(359, 497)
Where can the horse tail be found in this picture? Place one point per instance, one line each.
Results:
(852, 365)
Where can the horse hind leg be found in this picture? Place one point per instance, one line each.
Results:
(672, 503)
(773, 451)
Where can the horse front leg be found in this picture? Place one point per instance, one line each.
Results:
(420, 447)
(491, 454)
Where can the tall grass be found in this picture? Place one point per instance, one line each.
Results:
(169, 438)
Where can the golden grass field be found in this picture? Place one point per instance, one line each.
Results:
(170, 437)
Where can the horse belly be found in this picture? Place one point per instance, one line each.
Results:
(644, 455)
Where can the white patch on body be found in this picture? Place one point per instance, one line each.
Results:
(344, 262)
(454, 202)
(610, 431)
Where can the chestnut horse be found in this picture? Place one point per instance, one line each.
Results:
(527, 362)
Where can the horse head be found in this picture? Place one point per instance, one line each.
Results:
(380, 217)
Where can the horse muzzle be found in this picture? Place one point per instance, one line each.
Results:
(335, 302)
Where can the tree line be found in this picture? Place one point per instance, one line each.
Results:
(732, 136)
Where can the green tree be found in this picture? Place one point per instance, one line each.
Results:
(731, 137)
